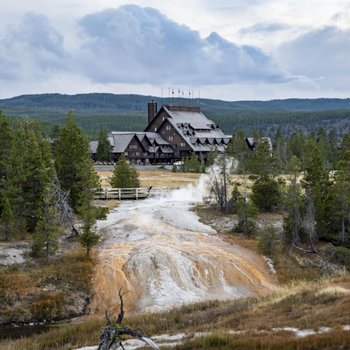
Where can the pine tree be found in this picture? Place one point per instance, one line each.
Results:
(124, 175)
(295, 145)
(247, 212)
(7, 219)
(6, 136)
(266, 193)
(293, 200)
(45, 238)
(192, 164)
(280, 149)
(238, 149)
(262, 161)
(104, 148)
(88, 238)
(212, 155)
(74, 167)
(316, 180)
(309, 220)
(29, 169)
(345, 145)
(341, 202)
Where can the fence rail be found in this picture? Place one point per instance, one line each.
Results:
(131, 193)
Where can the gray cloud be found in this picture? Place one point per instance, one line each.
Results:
(139, 45)
(264, 28)
(322, 54)
(31, 49)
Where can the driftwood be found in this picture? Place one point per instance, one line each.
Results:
(111, 338)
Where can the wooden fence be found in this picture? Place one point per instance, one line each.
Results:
(131, 193)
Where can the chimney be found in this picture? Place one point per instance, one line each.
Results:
(152, 111)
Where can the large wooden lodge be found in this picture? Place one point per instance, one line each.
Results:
(172, 133)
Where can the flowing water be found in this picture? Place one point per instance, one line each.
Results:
(159, 252)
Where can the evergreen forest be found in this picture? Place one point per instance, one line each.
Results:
(129, 112)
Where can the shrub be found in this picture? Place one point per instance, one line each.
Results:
(265, 193)
(48, 306)
(268, 240)
(342, 256)
(101, 213)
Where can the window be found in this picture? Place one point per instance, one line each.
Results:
(126, 153)
(155, 129)
(137, 153)
(170, 138)
(168, 127)
(182, 144)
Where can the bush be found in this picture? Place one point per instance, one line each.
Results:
(192, 164)
(124, 175)
(101, 213)
(248, 227)
(268, 240)
(342, 256)
(48, 306)
(16, 314)
(246, 212)
(265, 193)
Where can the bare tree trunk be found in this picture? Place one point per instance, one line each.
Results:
(111, 338)
(309, 221)
(343, 229)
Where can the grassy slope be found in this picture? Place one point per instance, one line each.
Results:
(42, 291)
(307, 305)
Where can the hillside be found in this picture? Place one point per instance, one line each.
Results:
(129, 112)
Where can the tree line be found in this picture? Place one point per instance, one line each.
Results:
(44, 182)
(306, 177)
(129, 112)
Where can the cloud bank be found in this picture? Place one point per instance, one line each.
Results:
(322, 54)
(133, 48)
(32, 50)
(132, 44)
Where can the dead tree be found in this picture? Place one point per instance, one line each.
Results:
(64, 210)
(219, 181)
(309, 221)
(111, 338)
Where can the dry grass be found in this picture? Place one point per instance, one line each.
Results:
(41, 291)
(65, 337)
(304, 305)
(338, 339)
(160, 178)
(167, 179)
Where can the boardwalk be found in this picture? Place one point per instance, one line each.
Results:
(131, 193)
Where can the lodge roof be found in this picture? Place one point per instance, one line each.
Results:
(120, 141)
(199, 132)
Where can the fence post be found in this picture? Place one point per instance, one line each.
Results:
(120, 193)
(137, 193)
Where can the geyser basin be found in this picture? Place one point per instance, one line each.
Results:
(159, 251)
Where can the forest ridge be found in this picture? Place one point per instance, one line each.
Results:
(129, 112)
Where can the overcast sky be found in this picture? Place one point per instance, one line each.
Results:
(232, 50)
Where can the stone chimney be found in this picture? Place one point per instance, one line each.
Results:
(152, 111)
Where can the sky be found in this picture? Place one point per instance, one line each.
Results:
(229, 50)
